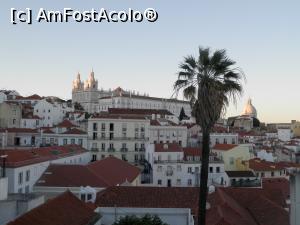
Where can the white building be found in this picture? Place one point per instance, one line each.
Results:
(122, 136)
(284, 133)
(3, 97)
(162, 130)
(173, 165)
(50, 113)
(30, 121)
(94, 100)
(24, 167)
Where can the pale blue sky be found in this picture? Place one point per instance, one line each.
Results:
(263, 37)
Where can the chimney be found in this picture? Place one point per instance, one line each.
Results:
(295, 197)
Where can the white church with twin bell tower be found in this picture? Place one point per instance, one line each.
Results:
(94, 99)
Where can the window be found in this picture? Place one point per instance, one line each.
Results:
(218, 169)
(217, 141)
(159, 182)
(189, 169)
(262, 174)
(124, 157)
(27, 189)
(233, 141)
(211, 169)
(103, 126)
(14, 121)
(20, 190)
(89, 197)
(27, 175)
(159, 168)
(111, 136)
(189, 182)
(169, 158)
(272, 174)
(73, 141)
(111, 127)
(94, 126)
(136, 146)
(65, 141)
(82, 197)
(178, 181)
(231, 161)
(94, 157)
(20, 178)
(225, 141)
(80, 142)
(136, 157)
(94, 136)
(178, 167)
(102, 135)
(103, 146)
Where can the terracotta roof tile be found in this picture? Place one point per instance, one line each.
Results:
(114, 171)
(64, 209)
(224, 147)
(103, 173)
(171, 147)
(23, 157)
(262, 165)
(74, 131)
(66, 124)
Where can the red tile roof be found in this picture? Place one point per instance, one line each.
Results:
(192, 151)
(63, 175)
(149, 197)
(262, 165)
(31, 97)
(64, 209)
(74, 131)
(48, 131)
(247, 206)
(21, 130)
(115, 171)
(281, 184)
(228, 206)
(23, 157)
(104, 173)
(66, 124)
(171, 147)
(224, 147)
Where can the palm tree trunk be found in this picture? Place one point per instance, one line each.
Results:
(204, 177)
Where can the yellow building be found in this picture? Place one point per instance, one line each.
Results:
(234, 156)
(296, 128)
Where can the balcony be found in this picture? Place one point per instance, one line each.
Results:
(169, 173)
(142, 149)
(246, 183)
(111, 150)
(95, 149)
(167, 161)
(120, 138)
(124, 149)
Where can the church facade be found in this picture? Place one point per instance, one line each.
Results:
(94, 100)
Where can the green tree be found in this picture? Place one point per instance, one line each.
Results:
(210, 82)
(78, 106)
(145, 220)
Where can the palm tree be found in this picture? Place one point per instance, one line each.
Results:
(209, 83)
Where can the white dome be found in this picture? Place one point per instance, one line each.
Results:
(249, 110)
